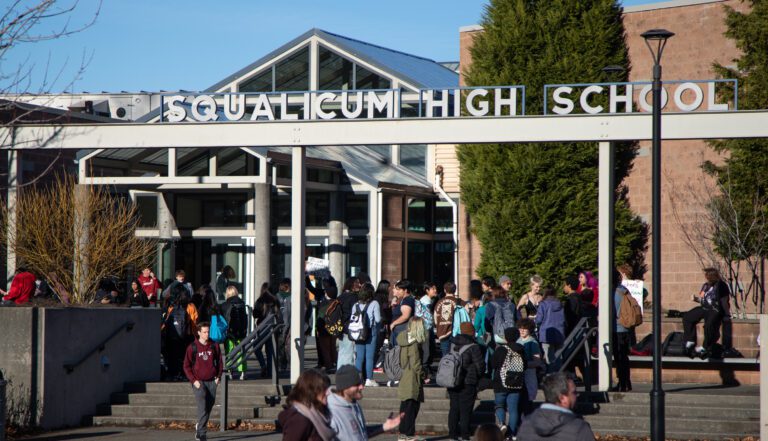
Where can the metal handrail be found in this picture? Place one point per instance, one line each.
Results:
(70, 367)
(577, 339)
(251, 343)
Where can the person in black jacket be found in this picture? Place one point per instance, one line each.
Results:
(507, 399)
(348, 299)
(233, 310)
(463, 396)
(714, 300)
(265, 305)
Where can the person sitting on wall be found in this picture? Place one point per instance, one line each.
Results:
(22, 288)
(714, 303)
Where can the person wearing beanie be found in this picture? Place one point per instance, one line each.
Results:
(347, 418)
(508, 360)
(463, 396)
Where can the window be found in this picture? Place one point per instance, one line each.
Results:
(356, 211)
(220, 210)
(357, 256)
(293, 72)
(281, 210)
(236, 162)
(366, 79)
(419, 215)
(318, 209)
(443, 217)
(192, 162)
(146, 207)
(414, 157)
(260, 83)
(320, 175)
(383, 150)
(335, 72)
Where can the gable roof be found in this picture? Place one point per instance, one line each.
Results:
(419, 71)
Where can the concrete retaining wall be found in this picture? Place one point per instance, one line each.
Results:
(37, 343)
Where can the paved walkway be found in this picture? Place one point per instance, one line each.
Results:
(141, 434)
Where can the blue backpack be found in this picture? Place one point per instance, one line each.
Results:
(218, 328)
(459, 316)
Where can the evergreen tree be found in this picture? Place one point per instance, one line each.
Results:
(744, 169)
(534, 206)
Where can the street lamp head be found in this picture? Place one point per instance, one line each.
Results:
(659, 37)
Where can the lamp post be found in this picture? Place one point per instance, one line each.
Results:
(656, 39)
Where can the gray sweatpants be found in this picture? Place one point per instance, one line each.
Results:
(204, 398)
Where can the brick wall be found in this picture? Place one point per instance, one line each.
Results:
(689, 55)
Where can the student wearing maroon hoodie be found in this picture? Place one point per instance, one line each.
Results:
(203, 367)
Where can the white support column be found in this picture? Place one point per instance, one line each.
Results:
(375, 225)
(764, 376)
(298, 222)
(12, 182)
(605, 262)
(171, 162)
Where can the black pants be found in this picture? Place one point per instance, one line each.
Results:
(410, 409)
(460, 413)
(621, 345)
(427, 351)
(712, 320)
(205, 397)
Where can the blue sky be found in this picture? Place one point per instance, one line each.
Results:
(173, 44)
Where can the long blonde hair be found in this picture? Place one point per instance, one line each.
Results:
(416, 329)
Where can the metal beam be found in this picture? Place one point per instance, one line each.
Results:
(714, 125)
(605, 263)
(298, 236)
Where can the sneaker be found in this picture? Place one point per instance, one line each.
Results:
(378, 370)
(371, 383)
(503, 428)
(242, 376)
(392, 383)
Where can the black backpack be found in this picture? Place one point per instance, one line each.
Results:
(333, 315)
(674, 344)
(176, 323)
(237, 318)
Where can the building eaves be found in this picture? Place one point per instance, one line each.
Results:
(667, 5)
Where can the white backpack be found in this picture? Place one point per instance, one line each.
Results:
(359, 327)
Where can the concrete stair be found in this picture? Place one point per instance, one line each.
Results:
(689, 415)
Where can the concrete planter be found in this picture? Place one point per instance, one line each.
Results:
(40, 346)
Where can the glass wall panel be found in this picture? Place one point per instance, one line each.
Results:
(293, 73)
(146, 206)
(419, 218)
(383, 150)
(281, 210)
(357, 256)
(236, 162)
(414, 157)
(320, 175)
(443, 217)
(196, 211)
(443, 268)
(280, 260)
(318, 209)
(419, 261)
(335, 71)
(192, 162)
(369, 80)
(393, 211)
(260, 83)
(356, 210)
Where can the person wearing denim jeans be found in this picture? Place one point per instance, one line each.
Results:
(506, 395)
(365, 351)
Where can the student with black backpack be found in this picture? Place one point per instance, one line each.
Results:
(176, 332)
(265, 305)
(233, 310)
(462, 388)
(363, 329)
(508, 365)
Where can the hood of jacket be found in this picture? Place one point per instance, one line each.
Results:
(548, 422)
(336, 401)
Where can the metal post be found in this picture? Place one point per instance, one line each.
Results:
(764, 376)
(298, 236)
(223, 405)
(605, 262)
(657, 392)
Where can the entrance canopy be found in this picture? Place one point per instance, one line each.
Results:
(603, 129)
(600, 128)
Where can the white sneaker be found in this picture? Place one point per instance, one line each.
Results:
(371, 383)
(242, 376)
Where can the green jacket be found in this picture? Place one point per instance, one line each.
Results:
(410, 387)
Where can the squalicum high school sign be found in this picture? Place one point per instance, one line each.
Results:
(560, 99)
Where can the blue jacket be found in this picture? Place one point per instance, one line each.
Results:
(550, 319)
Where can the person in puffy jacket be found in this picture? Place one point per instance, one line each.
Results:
(410, 391)
(550, 319)
(555, 420)
(463, 396)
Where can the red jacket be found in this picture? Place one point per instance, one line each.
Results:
(203, 362)
(22, 288)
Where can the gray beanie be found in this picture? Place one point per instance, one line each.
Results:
(347, 376)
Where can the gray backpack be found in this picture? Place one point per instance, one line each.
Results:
(392, 363)
(449, 369)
